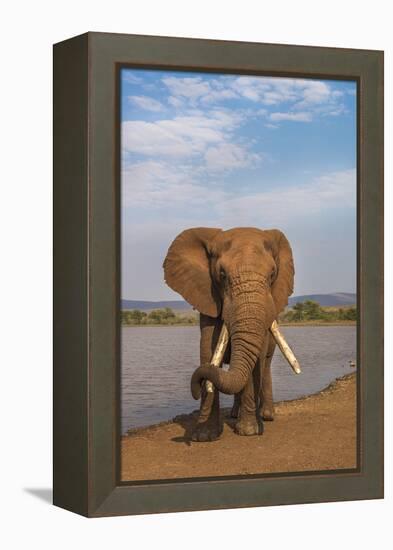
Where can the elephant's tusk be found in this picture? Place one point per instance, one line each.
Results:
(218, 354)
(223, 340)
(284, 347)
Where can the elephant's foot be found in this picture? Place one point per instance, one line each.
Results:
(235, 410)
(267, 412)
(249, 426)
(207, 431)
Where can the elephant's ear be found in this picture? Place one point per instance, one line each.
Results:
(283, 285)
(187, 270)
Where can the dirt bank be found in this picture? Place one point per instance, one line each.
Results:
(314, 433)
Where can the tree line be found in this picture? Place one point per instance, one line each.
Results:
(165, 316)
(313, 311)
(300, 312)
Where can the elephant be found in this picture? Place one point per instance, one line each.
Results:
(241, 277)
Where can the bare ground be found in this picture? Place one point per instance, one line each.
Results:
(310, 434)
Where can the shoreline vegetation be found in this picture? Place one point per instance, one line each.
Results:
(308, 313)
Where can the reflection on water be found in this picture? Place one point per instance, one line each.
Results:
(157, 363)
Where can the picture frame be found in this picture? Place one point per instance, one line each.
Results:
(86, 273)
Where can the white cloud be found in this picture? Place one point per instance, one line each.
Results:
(314, 92)
(294, 117)
(248, 87)
(182, 136)
(297, 211)
(175, 171)
(155, 184)
(314, 97)
(152, 138)
(175, 101)
(196, 89)
(264, 90)
(146, 103)
(333, 111)
(131, 78)
(286, 205)
(189, 87)
(218, 95)
(228, 156)
(308, 96)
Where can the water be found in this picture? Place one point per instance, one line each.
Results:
(157, 363)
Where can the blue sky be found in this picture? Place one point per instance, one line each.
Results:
(215, 150)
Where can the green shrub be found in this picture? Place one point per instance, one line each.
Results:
(312, 311)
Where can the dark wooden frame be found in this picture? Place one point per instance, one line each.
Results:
(86, 274)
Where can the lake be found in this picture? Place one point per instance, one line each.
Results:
(157, 364)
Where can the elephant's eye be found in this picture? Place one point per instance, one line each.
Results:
(273, 274)
(223, 275)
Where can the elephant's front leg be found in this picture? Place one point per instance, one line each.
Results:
(209, 424)
(236, 405)
(266, 394)
(249, 420)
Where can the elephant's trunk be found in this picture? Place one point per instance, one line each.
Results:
(248, 318)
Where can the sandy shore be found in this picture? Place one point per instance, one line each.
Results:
(314, 433)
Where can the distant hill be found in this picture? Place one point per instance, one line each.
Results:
(146, 305)
(336, 299)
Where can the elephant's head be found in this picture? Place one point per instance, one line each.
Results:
(243, 275)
